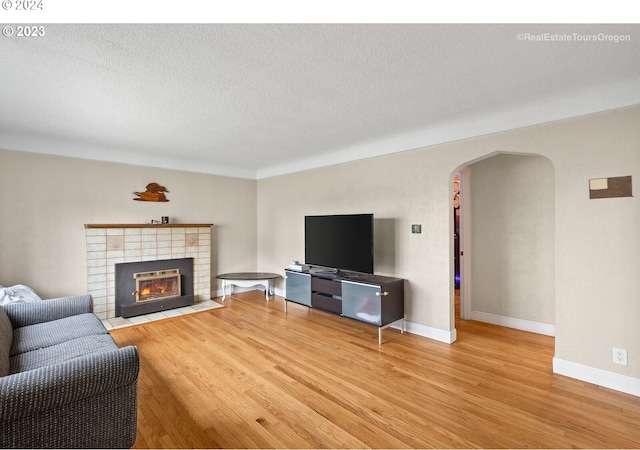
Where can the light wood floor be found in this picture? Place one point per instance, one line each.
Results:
(249, 376)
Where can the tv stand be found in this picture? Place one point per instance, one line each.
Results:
(373, 299)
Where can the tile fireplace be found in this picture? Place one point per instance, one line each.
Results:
(111, 244)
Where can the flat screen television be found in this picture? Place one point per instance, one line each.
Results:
(341, 242)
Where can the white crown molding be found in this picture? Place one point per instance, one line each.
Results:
(93, 152)
(595, 100)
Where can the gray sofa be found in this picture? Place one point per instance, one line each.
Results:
(64, 383)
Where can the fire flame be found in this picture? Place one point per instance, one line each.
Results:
(157, 288)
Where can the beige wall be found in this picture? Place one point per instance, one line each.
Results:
(46, 200)
(397, 194)
(597, 243)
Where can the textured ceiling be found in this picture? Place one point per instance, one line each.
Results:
(260, 100)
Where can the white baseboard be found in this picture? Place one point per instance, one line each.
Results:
(511, 322)
(448, 337)
(610, 380)
(570, 369)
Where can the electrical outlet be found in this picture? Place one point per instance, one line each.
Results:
(620, 356)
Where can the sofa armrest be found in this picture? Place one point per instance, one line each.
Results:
(27, 394)
(23, 314)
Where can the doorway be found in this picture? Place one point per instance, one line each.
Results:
(457, 251)
(504, 242)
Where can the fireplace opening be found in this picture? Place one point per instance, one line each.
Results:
(145, 287)
(157, 285)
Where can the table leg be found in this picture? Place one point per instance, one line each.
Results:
(224, 289)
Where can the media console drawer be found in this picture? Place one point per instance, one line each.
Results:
(333, 287)
(326, 303)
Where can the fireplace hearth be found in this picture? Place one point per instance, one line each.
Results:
(150, 286)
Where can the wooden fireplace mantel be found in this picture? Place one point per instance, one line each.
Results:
(147, 225)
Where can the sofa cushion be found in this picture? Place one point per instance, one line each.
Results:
(6, 338)
(62, 352)
(47, 334)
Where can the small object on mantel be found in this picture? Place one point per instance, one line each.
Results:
(154, 193)
(163, 221)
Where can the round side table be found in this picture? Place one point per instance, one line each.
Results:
(248, 279)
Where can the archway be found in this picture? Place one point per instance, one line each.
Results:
(507, 241)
